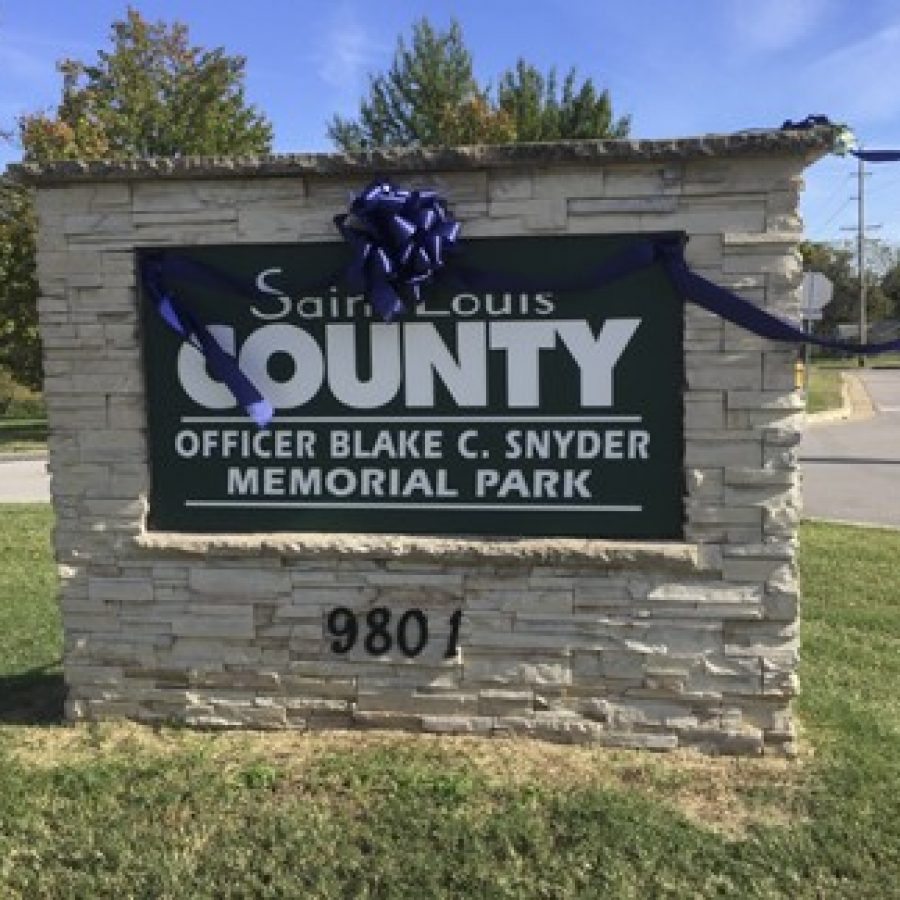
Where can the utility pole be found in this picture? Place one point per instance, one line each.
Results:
(860, 230)
(861, 252)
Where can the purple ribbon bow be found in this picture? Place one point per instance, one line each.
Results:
(399, 240)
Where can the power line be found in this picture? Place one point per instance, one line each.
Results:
(839, 187)
(840, 209)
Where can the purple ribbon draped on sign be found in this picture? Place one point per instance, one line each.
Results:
(877, 156)
(223, 365)
(746, 315)
(400, 241)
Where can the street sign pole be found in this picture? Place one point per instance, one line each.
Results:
(817, 294)
(807, 355)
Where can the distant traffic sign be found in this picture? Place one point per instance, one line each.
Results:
(817, 293)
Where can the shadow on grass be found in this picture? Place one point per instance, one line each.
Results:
(34, 697)
(23, 428)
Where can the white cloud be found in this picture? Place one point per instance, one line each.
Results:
(29, 79)
(348, 51)
(860, 82)
(771, 25)
(21, 65)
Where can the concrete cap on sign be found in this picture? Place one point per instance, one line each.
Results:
(809, 143)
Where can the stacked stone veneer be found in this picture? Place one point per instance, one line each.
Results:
(625, 643)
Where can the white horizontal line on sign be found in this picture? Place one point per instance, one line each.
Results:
(390, 420)
(464, 507)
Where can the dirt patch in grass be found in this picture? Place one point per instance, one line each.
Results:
(722, 794)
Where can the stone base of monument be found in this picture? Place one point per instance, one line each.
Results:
(625, 644)
(595, 541)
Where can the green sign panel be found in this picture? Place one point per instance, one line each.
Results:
(520, 413)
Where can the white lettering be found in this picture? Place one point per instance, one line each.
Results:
(372, 482)
(192, 373)
(273, 481)
(589, 444)
(573, 483)
(340, 444)
(310, 308)
(187, 444)
(523, 342)
(306, 482)
(260, 442)
(638, 445)
(597, 357)
(465, 304)
(612, 444)
(210, 442)
(341, 482)
(426, 355)
(465, 451)
(262, 285)
(243, 483)
(384, 382)
(563, 439)
(539, 484)
(306, 379)
(513, 444)
(484, 480)
(416, 359)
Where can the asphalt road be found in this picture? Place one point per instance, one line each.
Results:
(851, 469)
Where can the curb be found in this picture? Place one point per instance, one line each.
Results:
(855, 403)
(22, 457)
(826, 520)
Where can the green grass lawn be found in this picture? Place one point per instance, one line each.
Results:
(824, 389)
(825, 379)
(117, 810)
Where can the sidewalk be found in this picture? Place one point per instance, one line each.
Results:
(24, 479)
(851, 465)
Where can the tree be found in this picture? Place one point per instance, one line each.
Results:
(151, 94)
(20, 348)
(835, 261)
(890, 285)
(540, 113)
(430, 97)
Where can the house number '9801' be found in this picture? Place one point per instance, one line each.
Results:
(380, 634)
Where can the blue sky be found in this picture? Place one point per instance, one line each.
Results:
(679, 67)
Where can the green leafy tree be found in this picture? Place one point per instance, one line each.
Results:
(836, 262)
(20, 349)
(890, 285)
(541, 112)
(430, 97)
(151, 94)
